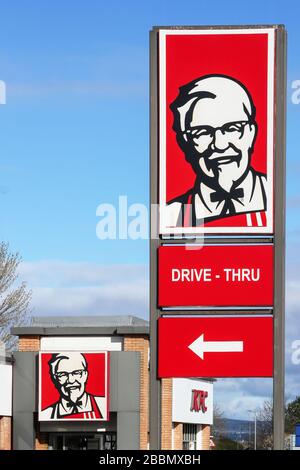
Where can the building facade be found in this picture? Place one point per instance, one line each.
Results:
(83, 383)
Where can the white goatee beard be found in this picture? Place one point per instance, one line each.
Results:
(75, 395)
(225, 179)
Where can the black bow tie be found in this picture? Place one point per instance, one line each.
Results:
(74, 405)
(222, 195)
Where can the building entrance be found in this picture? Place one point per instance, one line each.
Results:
(87, 441)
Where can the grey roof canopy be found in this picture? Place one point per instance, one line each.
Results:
(83, 325)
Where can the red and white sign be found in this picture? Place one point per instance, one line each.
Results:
(192, 401)
(215, 347)
(216, 130)
(73, 385)
(215, 276)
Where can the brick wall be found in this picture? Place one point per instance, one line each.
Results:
(41, 438)
(29, 343)
(205, 436)
(141, 344)
(166, 414)
(177, 436)
(41, 441)
(5, 433)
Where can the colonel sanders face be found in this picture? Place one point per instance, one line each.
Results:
(214, 118)
(69, 374)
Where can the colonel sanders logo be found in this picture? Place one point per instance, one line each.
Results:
(214, 121)
(70, 373)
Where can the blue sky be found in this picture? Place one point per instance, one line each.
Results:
(74, 134)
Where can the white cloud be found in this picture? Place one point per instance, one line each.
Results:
(292, 295)
(97, 88)
(61, 288)
(64, 288)
(61, 273)
(118, 70)
(236, 396)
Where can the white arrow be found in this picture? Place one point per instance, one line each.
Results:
(199, 346)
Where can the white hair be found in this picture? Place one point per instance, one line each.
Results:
(209, 86)
(56, 358)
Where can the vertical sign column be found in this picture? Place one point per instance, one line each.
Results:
(217, 155)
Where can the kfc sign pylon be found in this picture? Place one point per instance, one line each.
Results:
(218, 118)
(216, 131)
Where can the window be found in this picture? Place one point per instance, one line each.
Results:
(86, 441)
(110, 441)
(189, 436)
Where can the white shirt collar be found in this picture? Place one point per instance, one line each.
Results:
(251, 201)
(66, 407)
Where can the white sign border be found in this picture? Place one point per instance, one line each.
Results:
(165, 230)
(106, 388)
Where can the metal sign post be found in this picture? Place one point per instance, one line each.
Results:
(155, 383)
(279, 242)
(222, 113)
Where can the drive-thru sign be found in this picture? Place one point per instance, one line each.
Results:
(218, 180)
(215, 276)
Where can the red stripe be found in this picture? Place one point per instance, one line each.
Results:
(187, 212)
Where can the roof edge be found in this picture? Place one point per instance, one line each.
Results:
(81, 330)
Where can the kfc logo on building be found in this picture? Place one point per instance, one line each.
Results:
(192, 401)
(198, 400)
(73, 385)
(216, 131)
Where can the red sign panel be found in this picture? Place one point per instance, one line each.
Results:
(215, 347)
(215, 276)
(73, 386)
(216, 130)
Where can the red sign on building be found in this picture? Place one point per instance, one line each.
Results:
(73, 386)
(215, 276)
(215, 347)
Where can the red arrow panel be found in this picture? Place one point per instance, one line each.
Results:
(215, 276)
(176, 359)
